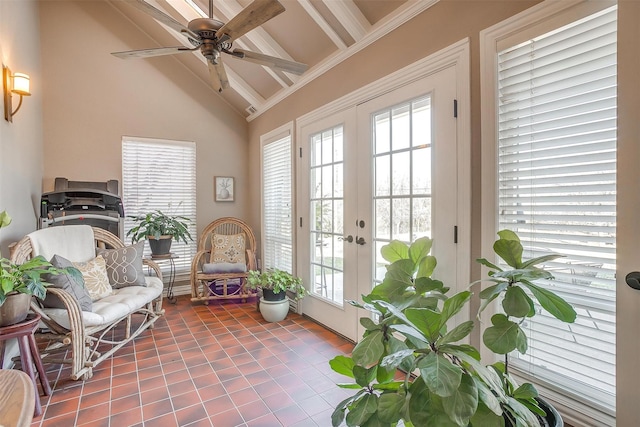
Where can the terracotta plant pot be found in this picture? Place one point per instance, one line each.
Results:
(14, 309)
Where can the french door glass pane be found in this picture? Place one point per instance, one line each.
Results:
(402, 174)
(327, 213)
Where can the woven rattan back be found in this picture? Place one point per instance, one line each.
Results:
(228, 226)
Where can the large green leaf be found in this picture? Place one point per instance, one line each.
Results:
(425, 408)
(394, 251)
(427, 284)
(426, 320)
(390, 407)
(523, 415)
(551, 302)
(525, 391)
(453, 305)
(457, 333)
(487, 398)
(420, 248)
(395, 345)
(364, 376)
(516, 302)
(391, 289)
(489, 264)
(369, 324)
(493, 290)
(412, 334)
(362, 410)
(393, 360)
(426, 266)
(369, 350)
(462, 404)
(504, 336)
(540, 260)
(441, 376)
(510, 251)
(484, 417)
(342, 365)
(338, 414)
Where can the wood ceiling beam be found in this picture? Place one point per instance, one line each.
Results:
(350, 17)
(323, 24)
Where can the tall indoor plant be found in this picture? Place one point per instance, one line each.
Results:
(444, 382)
(160, 229)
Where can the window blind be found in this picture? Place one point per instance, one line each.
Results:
(277, 205)
(161, 175)
(557, 183)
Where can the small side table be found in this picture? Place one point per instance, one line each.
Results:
(171, 257)
(29, 354)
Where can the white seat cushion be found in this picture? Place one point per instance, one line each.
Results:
(117, 305)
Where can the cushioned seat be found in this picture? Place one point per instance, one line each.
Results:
(226, 253)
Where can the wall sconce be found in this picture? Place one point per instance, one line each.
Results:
(17, 83)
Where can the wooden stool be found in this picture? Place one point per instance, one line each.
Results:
(29, 354)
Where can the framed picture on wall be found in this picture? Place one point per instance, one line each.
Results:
(224, 191)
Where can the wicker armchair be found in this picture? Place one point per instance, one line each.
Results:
(90, 341)
(211, 283)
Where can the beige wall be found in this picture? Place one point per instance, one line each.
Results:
(21, 141)
(91, 99)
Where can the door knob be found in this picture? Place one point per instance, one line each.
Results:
(633, 279)
(348, 238)
(360, 240)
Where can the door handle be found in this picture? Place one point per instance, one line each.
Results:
(360, 240)
(633, 280)
(348, 238)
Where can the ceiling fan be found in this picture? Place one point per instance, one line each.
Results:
(213, 37)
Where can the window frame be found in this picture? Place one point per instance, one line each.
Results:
(537, 20)
(182, 263)
(274, 136)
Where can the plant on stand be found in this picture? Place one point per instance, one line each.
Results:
(18, 282)
(275, 284)
(160, 229)
(442, 379)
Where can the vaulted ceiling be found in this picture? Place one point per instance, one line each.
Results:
(319, 33)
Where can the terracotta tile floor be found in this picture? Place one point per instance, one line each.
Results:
(218, 365)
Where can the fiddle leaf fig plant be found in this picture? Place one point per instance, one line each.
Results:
(412, 365)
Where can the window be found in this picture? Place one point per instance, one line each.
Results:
(277, 190)
(555, 109)
(161, 175)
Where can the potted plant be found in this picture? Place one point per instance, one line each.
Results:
(19, 282)
(275, 284)
(160, 229)
(444, 381)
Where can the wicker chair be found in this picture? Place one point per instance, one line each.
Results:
(88, 345)
(223, 284)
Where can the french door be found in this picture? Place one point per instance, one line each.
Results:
(383, 170)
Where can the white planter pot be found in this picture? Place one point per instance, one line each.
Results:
(274, 311)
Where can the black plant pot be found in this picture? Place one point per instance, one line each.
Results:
(552, 419)
(269, 295)
(160, 247)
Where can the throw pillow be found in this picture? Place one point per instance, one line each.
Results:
(74, 286)
(124, 265)
(228, 248)
(95, 277)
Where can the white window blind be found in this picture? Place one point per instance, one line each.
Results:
(557, 181)
(277, 204)
(161, 175)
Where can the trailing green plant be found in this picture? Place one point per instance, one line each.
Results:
(277, 281)
(157, 223)
(26, 278)
(410, 366)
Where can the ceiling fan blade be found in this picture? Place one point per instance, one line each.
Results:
(148, 53)
(271, 61)
(218, 76)
(252, 16)
(162, 17)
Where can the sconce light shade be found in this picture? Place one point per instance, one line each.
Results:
(17, 83)
(21, 84)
